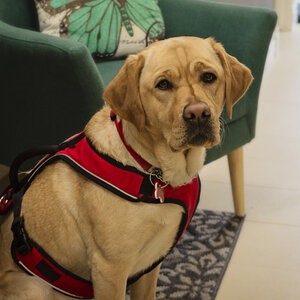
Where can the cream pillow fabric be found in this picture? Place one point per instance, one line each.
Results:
(109, 28)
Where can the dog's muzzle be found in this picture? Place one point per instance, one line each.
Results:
(199, 124)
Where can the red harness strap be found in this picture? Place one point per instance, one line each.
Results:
(126, 182)
(39, 263)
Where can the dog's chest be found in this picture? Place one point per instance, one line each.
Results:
(157, 234)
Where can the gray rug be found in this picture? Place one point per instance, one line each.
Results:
(195, 267)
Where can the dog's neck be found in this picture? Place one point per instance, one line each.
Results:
(178, 168)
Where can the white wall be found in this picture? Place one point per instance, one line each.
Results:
(287, 14)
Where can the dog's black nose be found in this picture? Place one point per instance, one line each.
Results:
(196, 112)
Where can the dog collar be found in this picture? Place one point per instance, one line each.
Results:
(119, 126)
(155, 172)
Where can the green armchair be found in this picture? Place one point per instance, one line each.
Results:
(50, 87)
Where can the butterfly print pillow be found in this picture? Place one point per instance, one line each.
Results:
(109, 28)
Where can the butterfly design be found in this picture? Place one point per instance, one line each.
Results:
(98, 23)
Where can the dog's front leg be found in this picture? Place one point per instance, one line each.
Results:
(109, 283)
(145, 287)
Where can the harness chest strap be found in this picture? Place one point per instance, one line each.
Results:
(126, 182)
(37, 262)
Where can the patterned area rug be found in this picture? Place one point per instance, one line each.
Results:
(195, 267)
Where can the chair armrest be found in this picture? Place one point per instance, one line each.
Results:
(49, 88)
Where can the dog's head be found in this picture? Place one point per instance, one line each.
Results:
(176, 89)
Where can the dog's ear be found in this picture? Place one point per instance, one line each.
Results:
(238, 77)
(122, 93)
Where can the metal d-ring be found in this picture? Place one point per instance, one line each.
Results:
(157, 173)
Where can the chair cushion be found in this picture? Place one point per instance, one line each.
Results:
(235, 134)
(109, 69)
(108, 28)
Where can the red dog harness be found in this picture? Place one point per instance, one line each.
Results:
(125, 181)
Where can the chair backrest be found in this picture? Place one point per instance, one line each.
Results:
(245, 33)
(20, 13)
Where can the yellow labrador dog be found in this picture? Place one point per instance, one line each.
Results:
(169, 98)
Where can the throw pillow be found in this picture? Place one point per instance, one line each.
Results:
(109, 28)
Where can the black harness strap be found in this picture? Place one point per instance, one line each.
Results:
(21, 240)
(47, 151)
(24, 156)
(17, 188)
(22, 245)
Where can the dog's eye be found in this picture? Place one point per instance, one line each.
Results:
(164, 85)
(208, 77)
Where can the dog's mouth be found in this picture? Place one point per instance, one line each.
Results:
(200, 135)
(204, 138)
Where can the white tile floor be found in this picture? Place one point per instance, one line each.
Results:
(266, 262)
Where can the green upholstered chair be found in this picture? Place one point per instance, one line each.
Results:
(50, 87)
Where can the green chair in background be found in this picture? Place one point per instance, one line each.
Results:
(50, 87)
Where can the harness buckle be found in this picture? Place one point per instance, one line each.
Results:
(6, 201)
(21, 240)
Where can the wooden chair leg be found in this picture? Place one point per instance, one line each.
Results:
(236, 169)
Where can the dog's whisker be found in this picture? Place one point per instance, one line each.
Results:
(223, 127)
